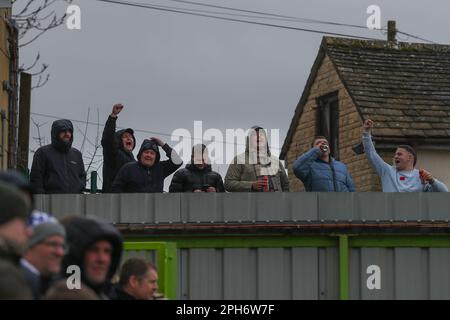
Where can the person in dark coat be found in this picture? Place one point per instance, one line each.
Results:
(57, 167)
(197, 176)
(138, 281)
(96, 248)
(117, 148)
(148, 173)
(15, 209)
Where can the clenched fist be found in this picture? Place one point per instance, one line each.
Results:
(368, 125)
(116, 109)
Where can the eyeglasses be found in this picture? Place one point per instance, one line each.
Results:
(56, 245)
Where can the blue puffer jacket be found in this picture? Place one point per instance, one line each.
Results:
(317, 175)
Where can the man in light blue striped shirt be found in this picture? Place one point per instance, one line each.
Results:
(401, 176)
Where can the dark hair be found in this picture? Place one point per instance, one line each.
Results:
(137, 267)
(410, 150)
(317, 137)
(197, 148)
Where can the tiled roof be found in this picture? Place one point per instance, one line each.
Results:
(403, 87)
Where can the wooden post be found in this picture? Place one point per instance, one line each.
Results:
(24, 121)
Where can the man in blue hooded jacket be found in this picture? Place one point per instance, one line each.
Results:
(320, 172)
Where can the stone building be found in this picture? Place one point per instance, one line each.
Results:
(403, 87)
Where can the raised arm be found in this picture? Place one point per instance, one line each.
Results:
(377, 162)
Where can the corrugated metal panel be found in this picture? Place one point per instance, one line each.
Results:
(406, 273)
(106, 207)
(68, 204)
(305, 273)
(439, 273)
(239, 274)
(245, 207)
(205, 274)
(263, 273)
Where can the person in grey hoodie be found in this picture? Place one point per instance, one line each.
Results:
(401, 176)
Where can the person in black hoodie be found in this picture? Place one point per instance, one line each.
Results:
(57, 167)
(148, 173)
(117, 148)
(197, 176)
(96, 248)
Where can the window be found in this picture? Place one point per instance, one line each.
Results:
(327, 124)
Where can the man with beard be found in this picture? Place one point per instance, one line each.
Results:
(256, 170)
(57, 167)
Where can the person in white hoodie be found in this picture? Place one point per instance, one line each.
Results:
(401, 176)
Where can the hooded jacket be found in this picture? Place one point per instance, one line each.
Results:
(57, 167)
(191, 178)
(82, 233)
(114, 154)
(246, 167)
(135, 177)
(320, 176)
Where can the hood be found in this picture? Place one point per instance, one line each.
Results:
(149, 145)
(57, 127)
(83, 232)
(265, 160)
(118, 139)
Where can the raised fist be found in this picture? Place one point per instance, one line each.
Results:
(116, 109)
(368, 125)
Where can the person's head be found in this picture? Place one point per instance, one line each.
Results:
(95, 247)
(258, 139)
(199, 156)
(320, 140)
(97, 261)
(18, 180)
(46, 247)
(62, 134)
(65, 136)
(60, 291)
(149, 153)
(128, 140)
(124, 139)
(405, 157)
(15, 208)
(139, 278)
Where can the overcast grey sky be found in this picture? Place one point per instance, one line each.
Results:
(170, 69)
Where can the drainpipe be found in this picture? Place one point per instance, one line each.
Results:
(3, 133)
(13, 97)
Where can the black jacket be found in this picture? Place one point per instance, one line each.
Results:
(119, 294)
(57, 167)
(191, 178)
(114, 155)
(81, 234)
(136, 178)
